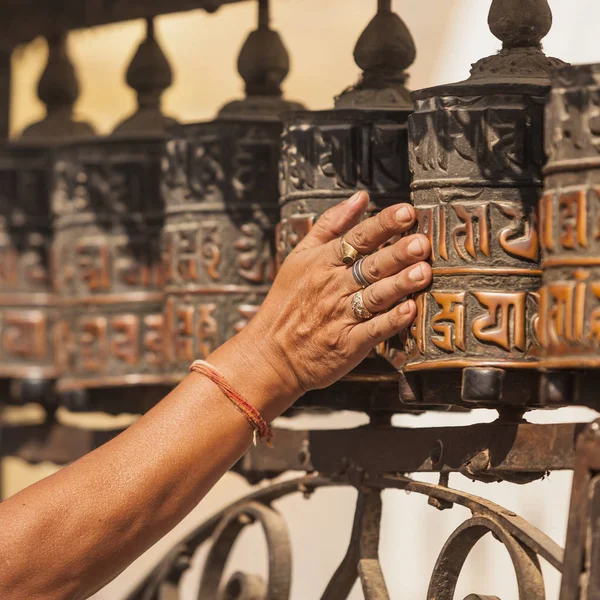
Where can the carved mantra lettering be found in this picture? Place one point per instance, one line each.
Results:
(193, 330)
(570, 221)
(23, 334)
(450, 133)
(101, 265)
(570, 313)
(102, 344)
(290, 232)
(345, 155)
(469, 233)
(468, 322)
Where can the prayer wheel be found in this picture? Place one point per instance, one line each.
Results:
(221, 200)
(108, 216)
(476, 153)
(28, 307)
(569, 324)
(360, 144)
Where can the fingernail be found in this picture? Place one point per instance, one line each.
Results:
(406, 307)
(356, 198)
(415, 247)
(417, 274)
(403, 214)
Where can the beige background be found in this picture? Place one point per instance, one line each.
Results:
(320, 35)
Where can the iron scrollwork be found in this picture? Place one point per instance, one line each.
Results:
(524, 543)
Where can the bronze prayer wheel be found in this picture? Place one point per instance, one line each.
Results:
(476, 153)
(108, 215)
(221, 200)
(27, 306)
(326, 157)
(220, 189)
(569, 211)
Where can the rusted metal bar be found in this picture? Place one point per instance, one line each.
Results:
(581, 575)
(488, 452)
(23, 20)
(485, 452)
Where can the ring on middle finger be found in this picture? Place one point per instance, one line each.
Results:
(358, 274)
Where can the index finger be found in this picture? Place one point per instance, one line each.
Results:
(367, 236)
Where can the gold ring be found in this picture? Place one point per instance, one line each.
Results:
(349, 253)
(360, 310)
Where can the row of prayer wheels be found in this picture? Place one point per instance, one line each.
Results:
(125, 258)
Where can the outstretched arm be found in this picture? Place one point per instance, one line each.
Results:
(70, 534)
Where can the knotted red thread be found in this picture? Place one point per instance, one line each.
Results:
(262, 431)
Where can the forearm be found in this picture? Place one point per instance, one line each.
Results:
(71, 533)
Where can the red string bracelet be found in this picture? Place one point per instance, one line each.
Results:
(262, 431)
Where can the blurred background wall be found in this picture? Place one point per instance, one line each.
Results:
(202, 48)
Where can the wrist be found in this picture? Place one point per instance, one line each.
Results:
(252, 363)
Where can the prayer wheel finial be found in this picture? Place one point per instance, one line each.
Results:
(520, 25)
(384, 51)
(149, 74)
(58, 89)
(263, 64)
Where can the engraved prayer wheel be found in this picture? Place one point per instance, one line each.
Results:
(476, 153)
(569, 324)
(108, 216)
(27, 306)
(221, 201)
(328, 155)
(28, 310)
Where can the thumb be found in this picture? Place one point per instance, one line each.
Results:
(336, 221)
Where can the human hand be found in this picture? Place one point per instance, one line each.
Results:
(306, 327)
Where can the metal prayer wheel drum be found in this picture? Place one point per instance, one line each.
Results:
(108, 215)
(326, 157)
(570, 237)
(219, 183)
(476, 153)
(27, 308)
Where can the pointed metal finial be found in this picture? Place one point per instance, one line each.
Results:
(58, 89)
(520, 25)
(149, 74)
(384, 51)
(263, 63)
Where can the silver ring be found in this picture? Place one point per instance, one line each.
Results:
(358, 274)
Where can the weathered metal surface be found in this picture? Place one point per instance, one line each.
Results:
(458, 547)
(28, 308)
(28, 311)
(326, 156)
(362, 557)
(23, 20)
(487, 452)
(108, 215)
(524, 542)
(384, 50)
(569, 326)
(279, 579)
(476, 153)
(219, 185)
(220, 188)
(166, 576)
(581, 575)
